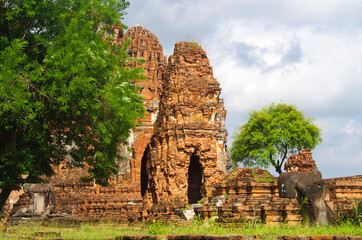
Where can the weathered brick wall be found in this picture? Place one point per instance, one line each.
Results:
(248, 199)
(343, 194)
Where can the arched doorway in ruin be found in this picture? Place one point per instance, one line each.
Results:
(194, 179)
(144, 175)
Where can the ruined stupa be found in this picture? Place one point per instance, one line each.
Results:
(177, 152)
(301, 162)
(188, 151)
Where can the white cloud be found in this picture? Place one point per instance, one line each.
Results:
(352, 128)
(301, 52)
(322, 77)
(319, 75)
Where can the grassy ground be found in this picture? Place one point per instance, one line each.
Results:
(84, 231)
(111, 230)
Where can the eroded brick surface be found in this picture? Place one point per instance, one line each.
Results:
(301, 162)
(190, 129)
(250, 199)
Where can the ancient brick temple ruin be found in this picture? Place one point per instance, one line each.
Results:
(188, 153)
(302, 162)
(177, 153)
(180, 149)
(179, 156)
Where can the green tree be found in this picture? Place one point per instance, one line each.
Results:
(64, 89)
(271, 135)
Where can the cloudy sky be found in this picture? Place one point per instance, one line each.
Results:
(302, 52)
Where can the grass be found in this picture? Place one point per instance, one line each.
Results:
(84, 231)
(267, 177)
(212, 228)
(110, 230)
(195, 45)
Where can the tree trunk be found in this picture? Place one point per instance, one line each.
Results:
(278, 169)
(5, 192)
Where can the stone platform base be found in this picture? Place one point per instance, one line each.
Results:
(44, 221)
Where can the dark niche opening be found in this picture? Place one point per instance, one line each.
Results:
(144, 175)
(195, 179)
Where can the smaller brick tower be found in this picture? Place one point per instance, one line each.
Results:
(302, 162)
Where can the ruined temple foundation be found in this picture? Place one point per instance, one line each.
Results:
(247, 195)
(178, 156)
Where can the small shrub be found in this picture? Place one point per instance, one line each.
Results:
(354, 217)
(266, 178)
(199, 118)
(157, 228)
(194, 45)
(357, 213)
(3, 220)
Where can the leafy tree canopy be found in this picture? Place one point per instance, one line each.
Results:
(271, 135)
(63, 84)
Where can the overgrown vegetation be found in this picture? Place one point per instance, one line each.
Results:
(194, 45)
(267, 177)
(199, 118)
(63, 88)
(354, 217)
(209, 227)
(272, 134)
(84, 231)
